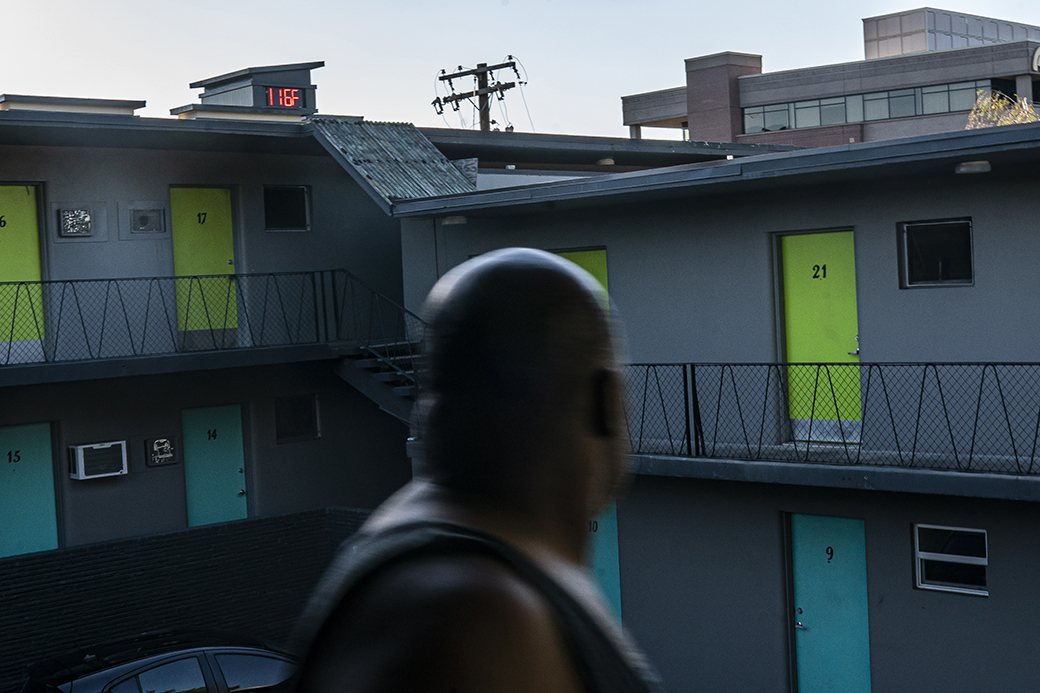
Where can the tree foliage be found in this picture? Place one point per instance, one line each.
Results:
(995, 109)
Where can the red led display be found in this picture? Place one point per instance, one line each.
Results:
(284, 97)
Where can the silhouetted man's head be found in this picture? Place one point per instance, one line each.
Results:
(521, 396)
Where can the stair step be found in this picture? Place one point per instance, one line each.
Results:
(390, 376)
(405, 391)
(397, 350)
(402, 362)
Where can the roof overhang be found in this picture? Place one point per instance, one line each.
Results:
(1004, 146)
(36, 128)
(573, 150)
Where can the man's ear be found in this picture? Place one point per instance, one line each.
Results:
(604, 394)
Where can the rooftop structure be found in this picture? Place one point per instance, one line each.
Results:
(922, 76)
(273, 92)
(928, 29)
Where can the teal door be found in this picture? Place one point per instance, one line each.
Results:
(602, 556)
(214, 464)
(829, 568)
(28, 519)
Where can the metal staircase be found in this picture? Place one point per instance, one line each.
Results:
(380, 343)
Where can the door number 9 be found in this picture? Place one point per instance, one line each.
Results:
(830, 553)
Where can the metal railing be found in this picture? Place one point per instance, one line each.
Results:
(978, 417)
(376, 325)
(91, 319)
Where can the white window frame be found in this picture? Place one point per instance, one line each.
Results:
(920, 556)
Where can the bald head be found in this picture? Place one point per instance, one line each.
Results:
(519, 349)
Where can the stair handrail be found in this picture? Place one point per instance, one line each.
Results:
(376, 325)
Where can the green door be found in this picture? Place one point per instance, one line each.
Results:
(603, 545)
(28, 518)
(819, 278)
(214, 464)
(832, 636)
(203, 246)
(21, 298)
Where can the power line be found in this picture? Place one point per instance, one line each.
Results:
(485, 85)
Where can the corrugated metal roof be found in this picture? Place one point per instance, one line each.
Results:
(393, 160)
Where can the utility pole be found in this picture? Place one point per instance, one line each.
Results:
(483, 91)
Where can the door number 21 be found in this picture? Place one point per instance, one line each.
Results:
(819, 271)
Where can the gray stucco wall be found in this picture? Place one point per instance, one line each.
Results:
(694, 280)
(347, 229)
(703, 587)
(357, 462)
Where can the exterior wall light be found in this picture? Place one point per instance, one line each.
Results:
(451, 221)
(972, 167)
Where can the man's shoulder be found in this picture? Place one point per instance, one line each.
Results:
(467, 621)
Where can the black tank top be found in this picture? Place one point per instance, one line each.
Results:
(607, 664)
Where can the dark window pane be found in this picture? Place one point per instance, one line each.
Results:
(285, 207)
(753, 121)
(128, 686)
(901, 105)
(854, 108)
(182, 676)
(937, 253)
(296, 417)
(957, 542)
(245, 672)
(832, 114)
(808, 117)
(776, 119)
(936, 102)
(953, 574)
(962, 99)
(875, 106)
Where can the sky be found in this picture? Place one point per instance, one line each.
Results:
(382, 57)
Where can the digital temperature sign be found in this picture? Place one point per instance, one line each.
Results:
(285, 97)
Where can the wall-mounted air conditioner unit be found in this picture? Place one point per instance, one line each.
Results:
(97, 460)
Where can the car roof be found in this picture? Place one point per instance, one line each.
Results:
(72, 665)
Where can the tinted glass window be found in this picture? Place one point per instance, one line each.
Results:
(285, 208)
(245, 672)
(947, 574)
(832, 111)
(955, 542)
(901, 103)
(776, 118)
(875, 106)
(182, 676)
(936, 102)
(128, 686)
(962, 96)
(753, 121)
(807, 116)
(854, 108)
(938, 253)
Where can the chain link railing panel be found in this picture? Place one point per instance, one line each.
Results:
(967, 417)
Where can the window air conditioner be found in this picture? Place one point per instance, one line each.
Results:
(97, 460)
